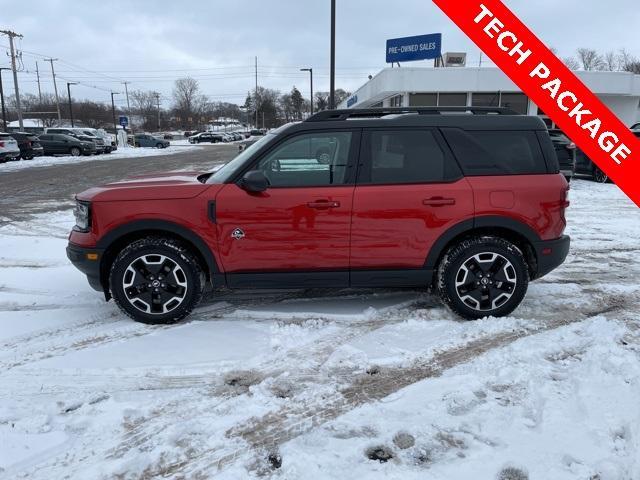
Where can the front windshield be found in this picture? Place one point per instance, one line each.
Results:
(227, 171)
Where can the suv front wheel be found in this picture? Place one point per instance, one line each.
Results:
(483, 276)
(156, 280)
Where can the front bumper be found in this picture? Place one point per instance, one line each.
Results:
(87, 260)
(551, 254)
(4, 156)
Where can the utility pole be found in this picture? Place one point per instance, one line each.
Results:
(310, 70)
(126, 91)
(70, 105)
(113, 111)
(55, 89)
(332, 81)
(4, 112)
(11, 36)
(255, 97)
(158, 101)
(39, 91)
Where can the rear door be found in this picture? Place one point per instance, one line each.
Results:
(409, 191)
(301, 223)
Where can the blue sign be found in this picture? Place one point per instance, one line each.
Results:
(352, 101)
(409, 49)
(124, 121)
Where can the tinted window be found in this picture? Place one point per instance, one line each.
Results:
(404, 156)
(45, 137)
(496, 152)
(312, 159)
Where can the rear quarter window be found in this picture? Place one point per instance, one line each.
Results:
(510, 152)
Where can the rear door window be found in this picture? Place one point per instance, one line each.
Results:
(404, 156)
(496, 152)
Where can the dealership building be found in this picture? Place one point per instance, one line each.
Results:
(485, 87)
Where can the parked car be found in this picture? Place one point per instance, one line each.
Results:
(29, 145)
(206, 137)
(585, 166)
(256, 133)
(81, 134)
(103, 139)
(147, 140)
(9, 149)
(566, 152)
(452, 201)
(59, 144)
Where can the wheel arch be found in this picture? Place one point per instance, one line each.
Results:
(518, 233)
(115, 240)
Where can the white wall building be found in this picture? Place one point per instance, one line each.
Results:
(411, 86)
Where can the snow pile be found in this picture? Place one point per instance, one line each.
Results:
(122, 152)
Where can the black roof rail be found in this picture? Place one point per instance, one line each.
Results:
(327, 115)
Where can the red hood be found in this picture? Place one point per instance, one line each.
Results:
(166, 186)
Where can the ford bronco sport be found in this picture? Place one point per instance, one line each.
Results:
(468, 201)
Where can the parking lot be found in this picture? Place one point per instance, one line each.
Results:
(313, 383)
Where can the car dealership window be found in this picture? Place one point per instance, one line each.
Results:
(452, 99)
(491, 99)
(518, 102)
(314, 159)
(423, 99)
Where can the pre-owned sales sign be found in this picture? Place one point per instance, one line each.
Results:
(552, 86)
(409, 49)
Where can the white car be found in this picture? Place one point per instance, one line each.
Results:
(8, 148)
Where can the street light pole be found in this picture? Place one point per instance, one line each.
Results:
(158, 102)
(4, 112)
(332, 81)
(70, 105)
(113, 111)
(310, 70)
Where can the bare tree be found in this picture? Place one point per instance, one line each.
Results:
(628, 62)
(611, 61)
(590, 59)
(571, 63)
(144, 104)
(189, 104)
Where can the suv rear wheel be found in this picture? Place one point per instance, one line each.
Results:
(483, 276)
(156, 281)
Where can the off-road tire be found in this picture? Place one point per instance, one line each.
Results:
(459, 254)
(599, 176)
(176, 252)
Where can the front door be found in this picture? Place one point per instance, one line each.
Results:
(301, 223)
(409, 192)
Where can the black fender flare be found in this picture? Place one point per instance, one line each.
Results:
(113, 235)
(486, 221)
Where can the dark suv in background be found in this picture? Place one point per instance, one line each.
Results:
(29, 145)
(468, 201)
(566, 152)
(58, 144)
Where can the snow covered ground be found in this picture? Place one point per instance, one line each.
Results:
(310, 384)
(122, 152)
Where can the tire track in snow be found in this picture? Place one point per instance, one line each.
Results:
(270, 431)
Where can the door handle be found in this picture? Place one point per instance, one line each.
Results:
(321, 204)
(438, 201)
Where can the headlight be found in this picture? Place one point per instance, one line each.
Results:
(82, 212)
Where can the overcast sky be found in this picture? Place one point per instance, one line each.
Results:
(151, 43)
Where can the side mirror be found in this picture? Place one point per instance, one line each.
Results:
(254, 181)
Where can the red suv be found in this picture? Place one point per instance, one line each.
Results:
(469, 201)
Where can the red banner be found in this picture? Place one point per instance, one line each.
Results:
(552, 86)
